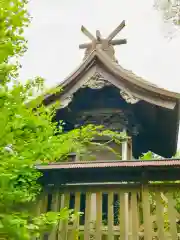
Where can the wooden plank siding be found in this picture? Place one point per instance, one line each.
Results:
(145, 223)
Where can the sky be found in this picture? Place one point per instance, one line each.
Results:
(54, 36)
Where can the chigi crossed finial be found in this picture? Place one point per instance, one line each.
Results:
(99, 40)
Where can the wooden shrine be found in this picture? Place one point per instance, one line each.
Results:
(101, 91)
(122, 198)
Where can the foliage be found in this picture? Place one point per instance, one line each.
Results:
(170, 10)
(28, 134)
(149, 156)
(176, 194)
(170, 13)
(152, 156)
(13, 19)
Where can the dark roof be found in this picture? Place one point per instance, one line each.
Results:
(158, 109)
(126, 80)
(111, 171)
(112, 164)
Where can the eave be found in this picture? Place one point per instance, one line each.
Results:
(110, 171)
(165, 104)
(123, 79)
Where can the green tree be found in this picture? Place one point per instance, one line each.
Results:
(170, 10)
(27, 133)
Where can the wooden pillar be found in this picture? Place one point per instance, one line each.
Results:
(130, 220)
(127, 155)
(93, 207)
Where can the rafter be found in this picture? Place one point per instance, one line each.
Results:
(116, 31)
(87, 33)
(99, 40)
(118, 41)
(113, 42)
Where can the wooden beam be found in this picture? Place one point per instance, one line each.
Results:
(98, 35)
(126, 194)
(113, 42)
(87, 33)
(118, 42)
(84, 45)
(116, 31)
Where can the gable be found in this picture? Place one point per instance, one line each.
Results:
(96, 76)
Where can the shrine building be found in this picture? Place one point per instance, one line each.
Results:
(100, 91)
(120, 196)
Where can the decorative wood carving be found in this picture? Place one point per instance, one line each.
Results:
(65, 102)
(97, 81)
(112, 119)
(128, 97)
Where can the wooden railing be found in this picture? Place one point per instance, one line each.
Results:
(131, 212)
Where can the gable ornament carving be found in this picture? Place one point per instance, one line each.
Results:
(65, 102)
(128, 97)
(115, 120)
(97, 81)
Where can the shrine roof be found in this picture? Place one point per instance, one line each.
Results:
(110, 172)
(99, 58)
(117, 70)
(111, 164)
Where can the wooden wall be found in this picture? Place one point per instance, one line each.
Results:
(151, 213)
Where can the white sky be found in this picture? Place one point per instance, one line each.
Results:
(54, 36)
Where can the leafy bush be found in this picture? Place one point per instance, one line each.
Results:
(27, 133)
